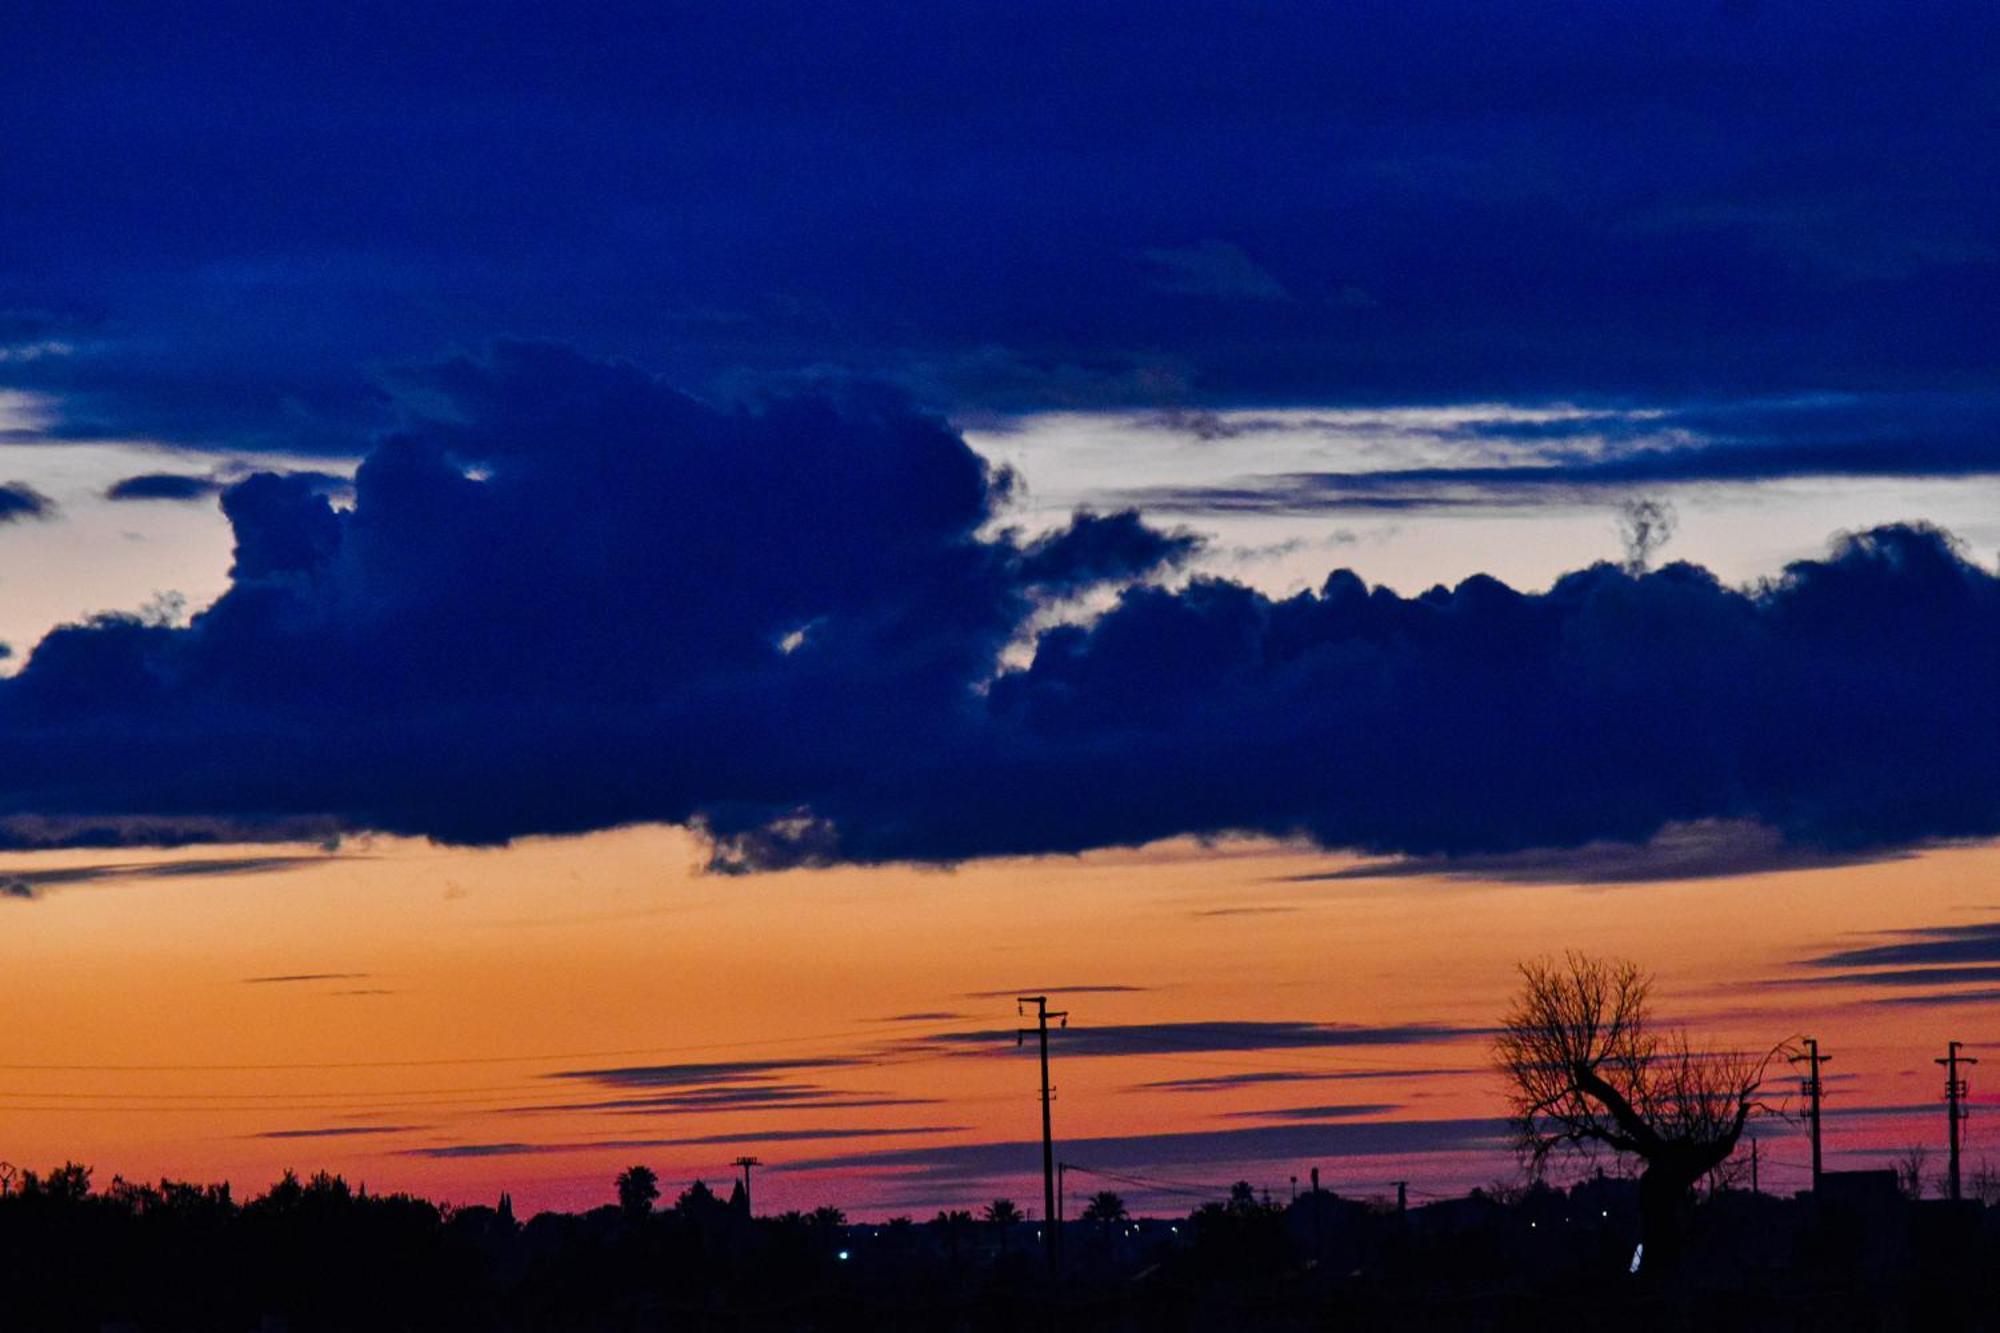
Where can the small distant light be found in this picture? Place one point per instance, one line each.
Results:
(842, 1256)
(1605, 1213)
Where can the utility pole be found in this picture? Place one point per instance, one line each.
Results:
(1812, 1086)
(1954, 1099)
(1753, 1167)
(1062, 1189)
(1402, 1197)
(1041, 1031)
(746, 1163)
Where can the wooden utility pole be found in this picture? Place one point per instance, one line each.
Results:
(1954, 1102)
(1041, 1032)
(1812, 1086)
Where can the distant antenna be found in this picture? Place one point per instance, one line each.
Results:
(746, 1163)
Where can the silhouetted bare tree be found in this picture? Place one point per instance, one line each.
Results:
(1910, 1164)
(1588, 1071)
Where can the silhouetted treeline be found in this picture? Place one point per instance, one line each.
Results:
(317, 1254)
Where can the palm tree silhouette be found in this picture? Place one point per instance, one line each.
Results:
(1003, 1216)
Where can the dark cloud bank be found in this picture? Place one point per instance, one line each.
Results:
(567, 597)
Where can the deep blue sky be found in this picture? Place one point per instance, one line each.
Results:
(237, 216)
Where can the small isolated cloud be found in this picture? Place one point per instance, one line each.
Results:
(19, 890)
(290, 977)
(164, 486)
(1645, 525)
(1212, 268)
(19, 500)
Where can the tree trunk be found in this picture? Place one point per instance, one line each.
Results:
(1664, 1189)
(1663, 1193)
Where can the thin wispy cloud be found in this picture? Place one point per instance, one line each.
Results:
(1219, 1035)
(1706, 849)
(524, 1149)
(1200, 1149)
(1978, 943)
(339, 1131)
(1217, 1083)
(1333, 1111)
(31, 883)
(702, 1072)
(1014, 992)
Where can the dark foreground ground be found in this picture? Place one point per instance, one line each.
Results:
(318, 1256)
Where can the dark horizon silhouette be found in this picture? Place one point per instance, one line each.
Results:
(321, 1253)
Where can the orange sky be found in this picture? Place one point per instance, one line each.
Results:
(431, 996)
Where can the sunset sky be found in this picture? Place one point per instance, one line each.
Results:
(608, 587)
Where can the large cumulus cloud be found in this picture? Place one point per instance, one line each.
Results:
(566, 596)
